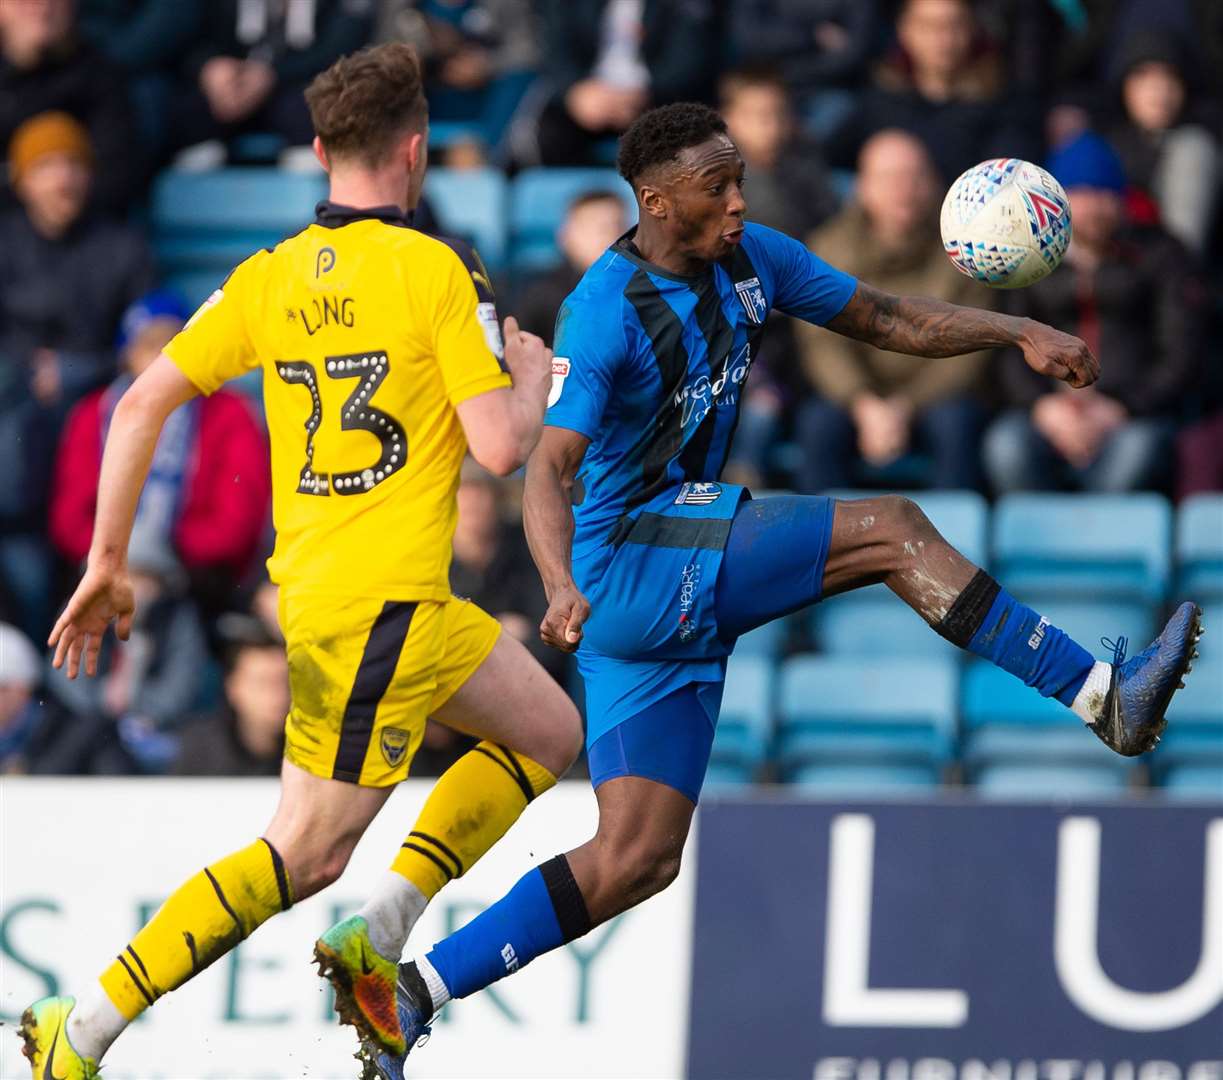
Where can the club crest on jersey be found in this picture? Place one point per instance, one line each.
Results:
(394, 745)
(751, 296)
(560, 371)
(698, 494)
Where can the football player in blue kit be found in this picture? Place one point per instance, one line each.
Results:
(653, 567)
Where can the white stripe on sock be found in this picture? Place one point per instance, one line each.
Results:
(437, 988)
(94, 1023)
(391, 911)
(1089, 701)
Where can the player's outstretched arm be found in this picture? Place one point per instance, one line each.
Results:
(105, 592)
(921, 326)
(502, 426)
(547, 517)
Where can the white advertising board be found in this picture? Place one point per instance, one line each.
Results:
(83, 862)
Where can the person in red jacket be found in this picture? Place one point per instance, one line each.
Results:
(208, 489)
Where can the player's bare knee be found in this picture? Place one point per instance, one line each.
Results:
(640, 866)
(556, 739)
(908, 529)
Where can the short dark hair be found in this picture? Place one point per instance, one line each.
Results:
(734, 82)
(657, 137)
(587, 198)
(362, 103)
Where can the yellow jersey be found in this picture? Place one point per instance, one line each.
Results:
(368, 334)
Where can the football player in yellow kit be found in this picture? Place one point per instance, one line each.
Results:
(382, 363)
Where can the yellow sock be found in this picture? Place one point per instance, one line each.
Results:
(205, 918)
(471, 807)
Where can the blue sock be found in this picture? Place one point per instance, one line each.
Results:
(988, 621)
(540, 913)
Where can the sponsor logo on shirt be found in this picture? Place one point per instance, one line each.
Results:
(703, 394)
(751, 296)
(560, 371)
(698, 494)
(689, 579)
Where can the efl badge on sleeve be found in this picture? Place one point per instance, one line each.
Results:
(560, 371)
(751, 296)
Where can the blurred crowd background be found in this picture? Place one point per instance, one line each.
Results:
(853, 117)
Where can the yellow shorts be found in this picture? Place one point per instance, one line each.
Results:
(365, 674)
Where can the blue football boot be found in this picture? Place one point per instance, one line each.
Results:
(415, 1006)
(1132, 717)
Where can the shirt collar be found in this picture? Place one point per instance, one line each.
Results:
(627, 247)
(335, 215)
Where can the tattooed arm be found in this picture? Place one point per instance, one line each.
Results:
(920, 326)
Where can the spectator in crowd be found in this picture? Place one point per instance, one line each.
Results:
(39, 737)
(606, 62)
(1131, 293)
(592, 223)
(244, 735)
(65, 279)
(46, 67)
(20, 674)
(147, 40)
(493, 567)
(208, 489)
(944, 83)
(812, 45)
(789, 189)
(146, 685)
(1199, 454)
(874, 406)
(1164, 151)
(257, 57)
(480, 56)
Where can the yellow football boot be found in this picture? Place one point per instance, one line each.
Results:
(44, 1032)
(364, 983)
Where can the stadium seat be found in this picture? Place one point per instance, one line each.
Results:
(1006, 722)
(866, 781)
(1088, 621)
(873, 621)
(765, 641)
(745, 723)
(1195, 783)
(538, 201)
(1199, 548)
(1194, 735)
(1059, 782)
(208, 222)
(850, 710)
(196, 285)
(470, 204)
(1092, 546)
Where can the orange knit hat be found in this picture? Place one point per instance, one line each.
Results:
(47, 133)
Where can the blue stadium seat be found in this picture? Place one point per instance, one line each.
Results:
(1087, 621)
(1092, 546)
(874, 622)
(745, 723)
(471, 204)
(866, 781)
(1211, 645)
(1195, 783)
(1060, 782)
(1199, 548)
(865, 711)
(765, 641)
(1006, 723)
(196, 285)
(1194, 735)
(724, 777)
(538, 201)
(211, 221)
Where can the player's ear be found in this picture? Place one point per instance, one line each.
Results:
(653, 201)
(320, 152)
(416, 150)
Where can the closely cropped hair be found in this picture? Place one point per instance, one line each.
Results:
(365, 101)
(657, 137)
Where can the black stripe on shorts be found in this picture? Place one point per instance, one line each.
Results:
(378, 663)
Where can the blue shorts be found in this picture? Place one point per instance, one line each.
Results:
(666, 611)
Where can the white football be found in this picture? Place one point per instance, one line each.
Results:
(1006, 223)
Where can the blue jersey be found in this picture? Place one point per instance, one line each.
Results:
(650, 366)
